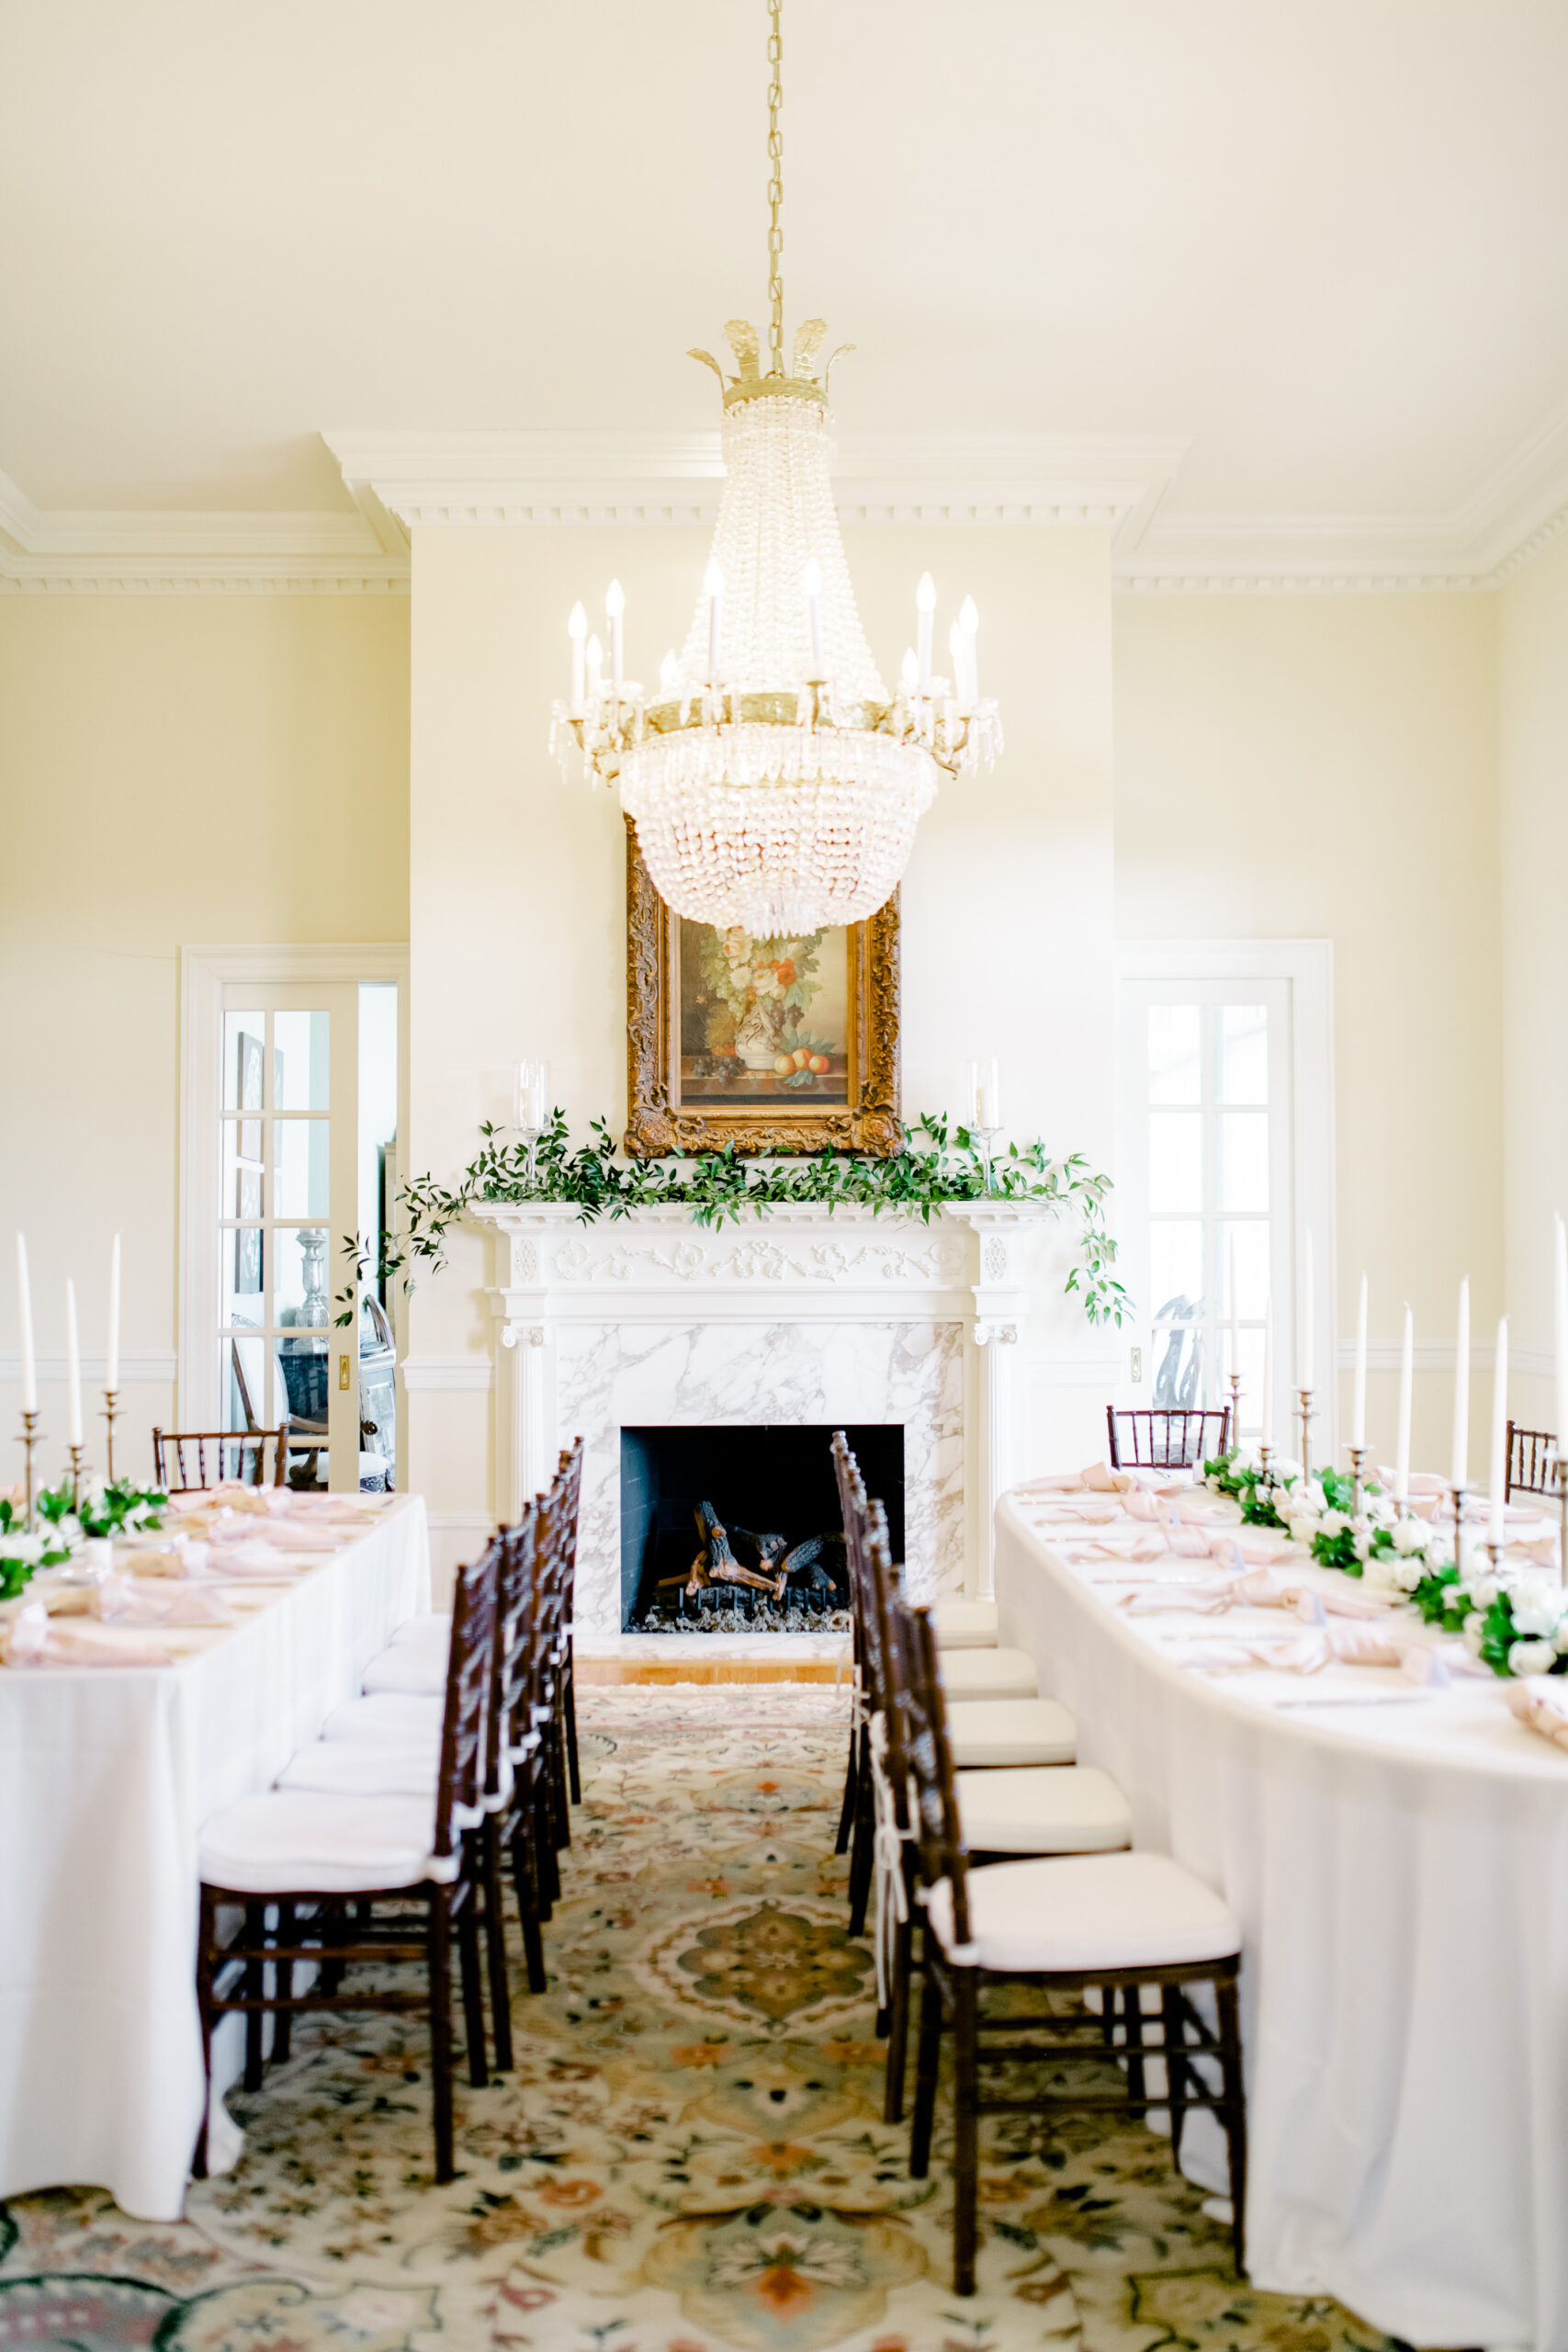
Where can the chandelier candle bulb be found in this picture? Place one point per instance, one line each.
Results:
(668, 675)
(577, 629)
(595, 666)
(1498, 1480)
(925, 604)
(1406, 1391)
(25, 1312)
(1460, 1465)
(614, 606)
(1359, 1393)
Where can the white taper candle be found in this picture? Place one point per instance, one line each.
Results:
(1459, 1471)
(1359, 1397)
(615, 605)
(1560, 1334)
(1235, 1310)
(925, 604)
(1498, 1480)
(1266, 1433)
(111, 1353)
(25, 1315)
(73, 1370)
(1307, 1315)
(1406, 1391)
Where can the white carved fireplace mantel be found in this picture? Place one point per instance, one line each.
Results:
(796, 1315)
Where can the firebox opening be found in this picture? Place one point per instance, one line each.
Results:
(737, 1529)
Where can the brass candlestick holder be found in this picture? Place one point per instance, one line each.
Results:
(1459, 1491)
(1358, 1454)
(75, 1453)
(1304, 1414)
(1264, 1455)
(111, 1415)
(1234, 1428)
(28, 1440)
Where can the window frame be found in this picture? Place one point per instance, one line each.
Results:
(1306, 966)
(205, 973)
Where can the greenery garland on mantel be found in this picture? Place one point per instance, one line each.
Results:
(932, 1170)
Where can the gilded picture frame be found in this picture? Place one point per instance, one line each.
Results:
(778, 1046)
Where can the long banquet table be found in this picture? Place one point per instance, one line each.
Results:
(108, 1775)
(1398, 1859)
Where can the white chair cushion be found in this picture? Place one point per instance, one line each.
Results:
(435, 1628)
(1087, 1912)
(986, 1674)
(1046, 1809)
(363, 1767)
(965, 1624)
(392, 1719)
(408, 1666)
(987, 1733)
(292, 1841)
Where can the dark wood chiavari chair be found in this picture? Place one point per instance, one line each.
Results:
(309, 1856)
(1053, 1926)
(1165, 1436)
(570, 1478)
(1532, 1462)
(171, 1462)
(857, 1822)
(522, 1827)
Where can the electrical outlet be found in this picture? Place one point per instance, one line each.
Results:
(1137, 1365)
(342, 1372)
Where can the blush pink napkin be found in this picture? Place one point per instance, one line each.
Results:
(284, 1534)
(119, 1600)
(32, 1641)
(1540, 1703)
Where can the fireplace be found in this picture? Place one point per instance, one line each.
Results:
(737, 1529)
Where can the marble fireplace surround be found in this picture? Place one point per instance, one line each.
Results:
(796, 1315)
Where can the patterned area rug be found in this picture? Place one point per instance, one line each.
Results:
(690, 2156)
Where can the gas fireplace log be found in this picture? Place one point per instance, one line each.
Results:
(722, 1565)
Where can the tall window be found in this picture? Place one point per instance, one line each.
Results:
(1207, 1186)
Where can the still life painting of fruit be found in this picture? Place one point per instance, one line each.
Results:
(763, 1021)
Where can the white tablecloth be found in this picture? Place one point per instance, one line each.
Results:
(1401, 1873)
(106, 1776)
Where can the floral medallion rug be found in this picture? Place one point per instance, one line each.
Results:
(690, 2154)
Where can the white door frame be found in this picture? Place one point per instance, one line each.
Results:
(1308, 966)
(204, 974)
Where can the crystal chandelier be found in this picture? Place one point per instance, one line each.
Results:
(774, 785)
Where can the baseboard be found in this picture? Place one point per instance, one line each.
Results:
(603, 1670)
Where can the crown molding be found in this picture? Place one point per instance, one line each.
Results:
(1514, 512)
(401, 481)
(425, 480)
(121, 553)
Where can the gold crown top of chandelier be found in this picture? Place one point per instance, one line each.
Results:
(802, 383)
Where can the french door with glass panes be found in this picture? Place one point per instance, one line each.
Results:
(288, 1150)
(1206, 1095)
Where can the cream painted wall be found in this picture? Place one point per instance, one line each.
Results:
(172, 769)
(1327, 766)
(517, 883)
(1532, 659)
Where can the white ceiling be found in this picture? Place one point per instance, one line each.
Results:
(1323, 241)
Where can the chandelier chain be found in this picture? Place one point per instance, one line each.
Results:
(776, 189)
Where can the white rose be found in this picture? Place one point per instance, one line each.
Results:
(1381, 1575)
(1532, 1658)
(1536, 1609)
(1361, 1543)
(1407, 1574)
(1559, 1638)
(1471, 1630)
(29, 1549)
(1408, 1535)
(1304, 1526)
(1312, 1495)
(1333, 1522)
